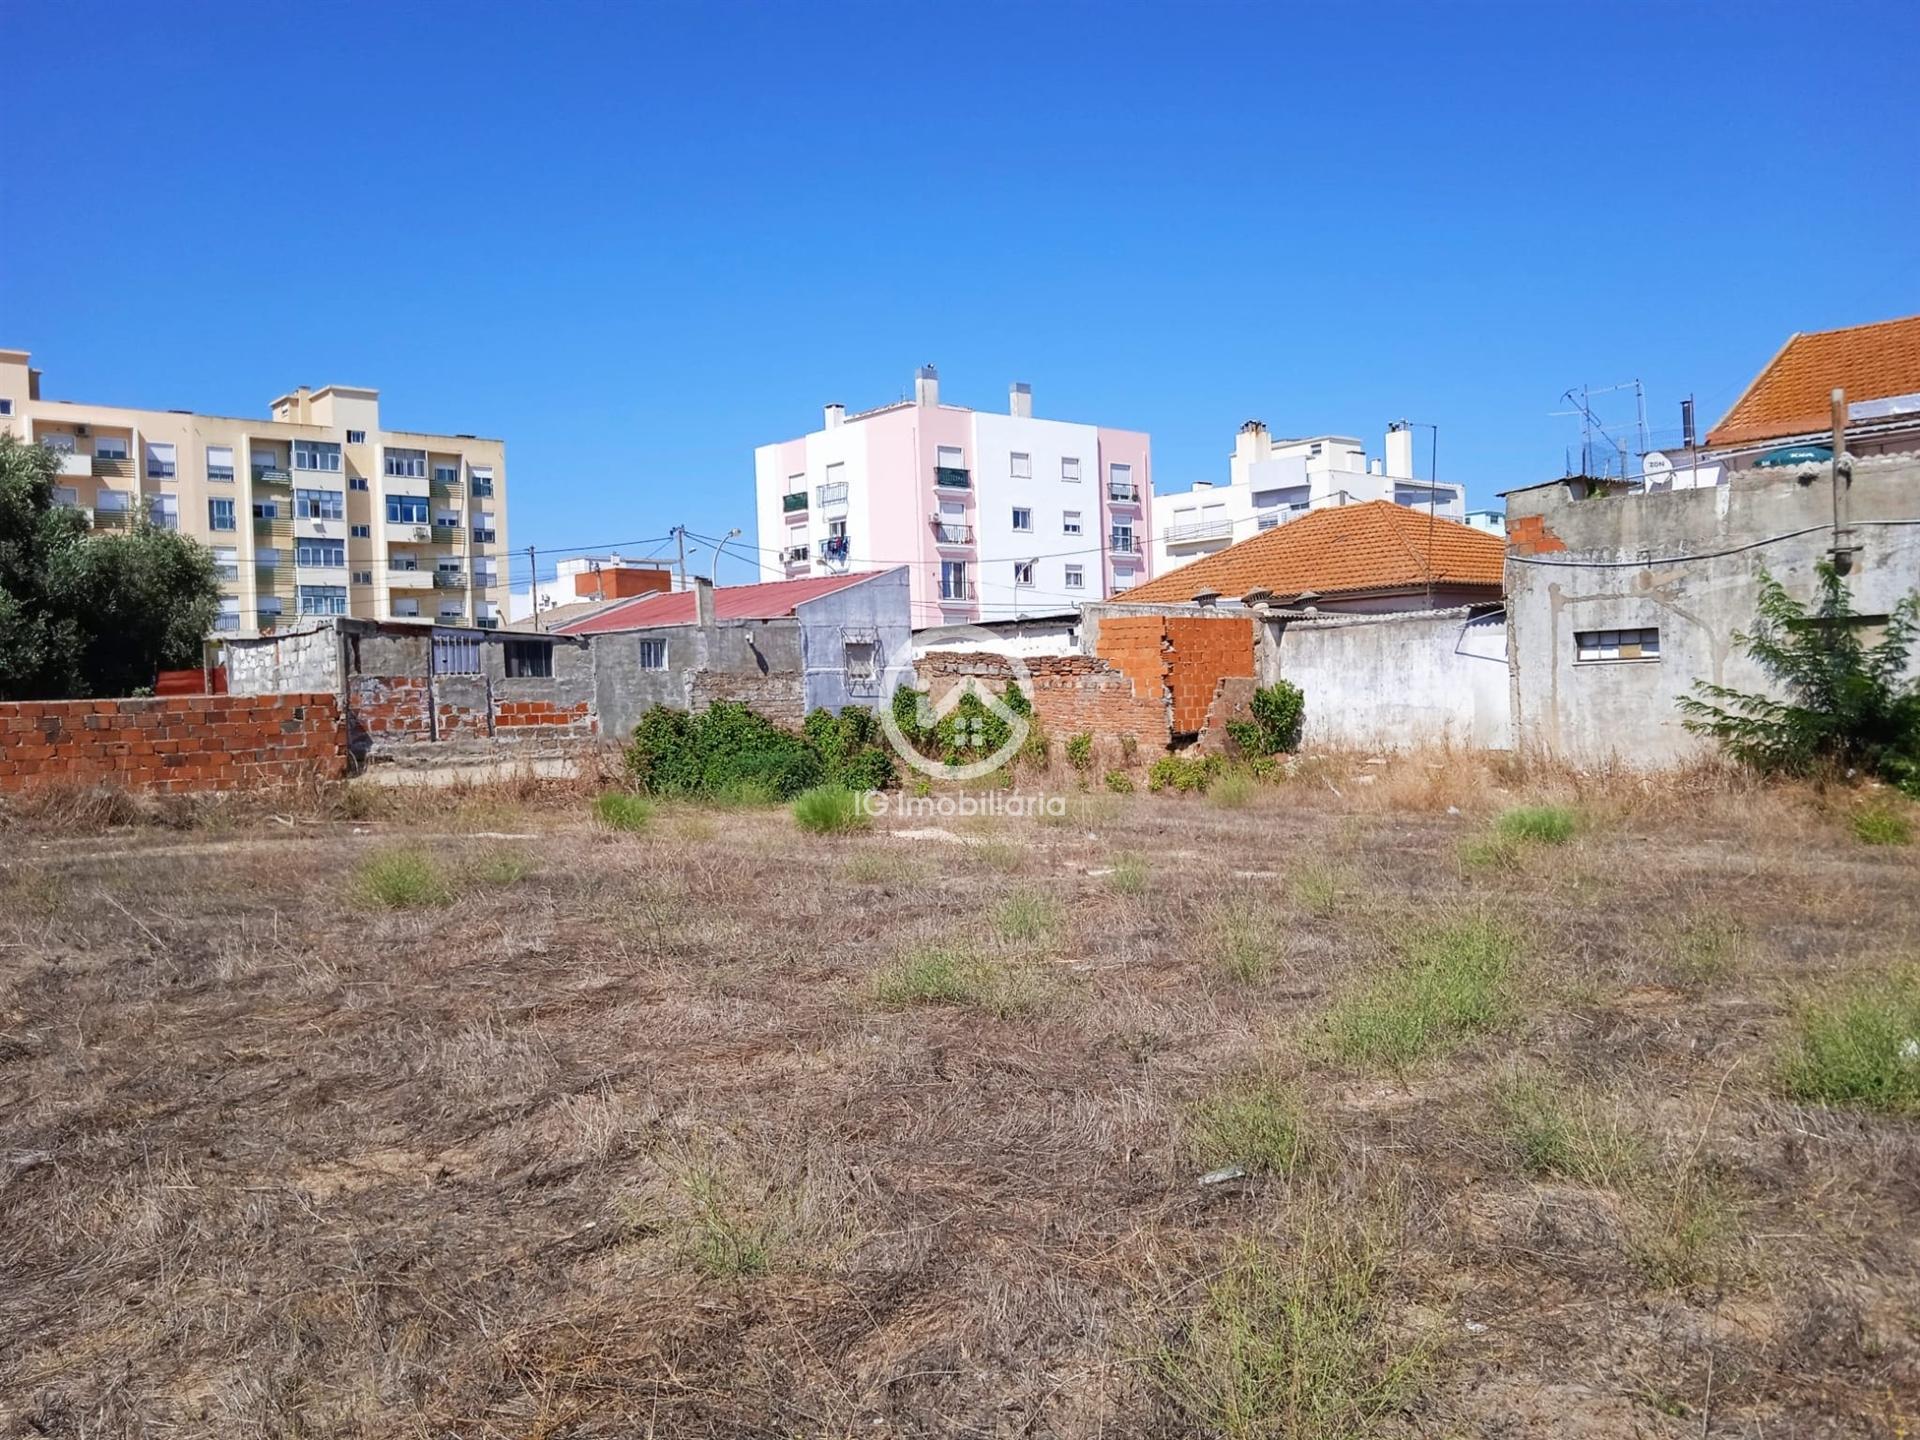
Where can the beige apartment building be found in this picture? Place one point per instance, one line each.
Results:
(314, 511)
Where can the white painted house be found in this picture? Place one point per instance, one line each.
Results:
(1273, 481)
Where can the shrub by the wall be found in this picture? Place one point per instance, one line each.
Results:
(1279, 710)
(728, 749)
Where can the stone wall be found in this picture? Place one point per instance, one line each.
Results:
(781, 698)
(173, 744)
(286, 663)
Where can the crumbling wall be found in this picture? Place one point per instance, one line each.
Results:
(288, 662)
(1071, 694)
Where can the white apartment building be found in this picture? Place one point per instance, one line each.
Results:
(1273, 481)
(995, 516)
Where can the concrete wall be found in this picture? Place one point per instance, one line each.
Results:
(1393, 681)
(1687, 562)
(879, 609)
(736, 659)
(281, 664)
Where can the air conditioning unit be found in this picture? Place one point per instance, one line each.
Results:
(80, 430)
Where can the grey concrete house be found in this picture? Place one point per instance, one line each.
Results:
(784, 648)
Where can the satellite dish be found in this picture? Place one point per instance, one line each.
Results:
(1653, 464)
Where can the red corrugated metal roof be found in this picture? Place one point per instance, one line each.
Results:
(770, 601)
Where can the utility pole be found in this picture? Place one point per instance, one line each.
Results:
(1843, 549)
(533, 585)
(680, 566)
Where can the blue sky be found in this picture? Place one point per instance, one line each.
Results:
(638, 241)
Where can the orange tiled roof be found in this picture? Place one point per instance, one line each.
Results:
(1792, 395)
(1342, 550)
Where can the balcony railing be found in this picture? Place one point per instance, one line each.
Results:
(1123, 492)
(112, 467)
(445, 534)
(271, 475)
(955, 592)
(793, 502)
(1123, 544)
(794, 555)
(834, 494)
(946, 532)
(1200, 530)
(104, 519)
(950, 478)
(834, 548)
(220, 472)
(449, 579)
(485, 537)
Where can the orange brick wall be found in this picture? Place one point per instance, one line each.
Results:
(173, 744)
(1529, 535)
(1071, 693)
(1182, 656)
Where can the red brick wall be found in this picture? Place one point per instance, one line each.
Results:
(388, 709)
(1135, 646)
(544, 714)
(173, 743)
(1529, 535)
(1182, 656)
(1071, 693)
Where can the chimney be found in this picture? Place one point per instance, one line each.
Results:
(836, 413)
(926, 386)
(1400, 451)
(1253, 442)
(1020, 400)
(703, 601)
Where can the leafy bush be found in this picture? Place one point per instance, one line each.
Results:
(1859, 1046)
(731, 753)
(1187, 775)
(1278, 710)
(1849, 705)
(619, 811)
(1119, 782)
(1080, 751)
(971, 731)
(829, 809)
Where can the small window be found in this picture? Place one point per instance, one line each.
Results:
(220, 514)
(1076, 577)
(1023, 572)
(159, 460)
(529, 659)
(1313, 450)
(266, 509)
(1022, 518)
(361, 532)
(315, 455)
(356, 482)
(6, 406)
(456, 655)
(1069, 467)
(219, 462)
(862, 664)
(357, 437)
(1070, 522)
(110, 447)
(653, 654)
(950, 457)
(1641, 644)
(1266, 522)
(1021, 465)
(363, 577)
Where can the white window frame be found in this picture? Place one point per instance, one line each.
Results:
(118, 444)
(1020, 465)
(356, 437)
(1023, 518)
(322, 456)
(1070, 523)
(162, 461)
(653, 653)
(949, 457)
(233, 516)
(1070, 468)
(1607, 647)
(953, 569)
(215, 465)
(1076, 577)
(1023, 573)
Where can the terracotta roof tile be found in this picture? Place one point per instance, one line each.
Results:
(1341, 550)
(730, 602)
(1792, 395)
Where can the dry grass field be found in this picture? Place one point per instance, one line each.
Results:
(1305, 1110)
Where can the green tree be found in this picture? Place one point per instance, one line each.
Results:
(1847, 704)
(84, 614)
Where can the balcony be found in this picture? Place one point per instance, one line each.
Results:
(795, 555)
(271, 475)
(1199, 530)
(834, 549)
(485, 536)
(445, 534)
(72, 464)
(444, 489)
(227, 574)
(949, 478)
(793, 502)
(409, 577)
(449, 579)
(407, 532)
(222, 473)
(949, 532)
(1123, 544)
(834, 494)
(1123, 492)
(266, 620)
(105, 519)
(113, 467)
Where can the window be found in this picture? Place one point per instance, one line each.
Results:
(406, 609)
(447, 565)
(110, 447)
(1069, 467)
(456, 655)
(357, 437)
(6, 406)
(1313, 451)
(320, 552)
(266, 509)
(1122, 539)
(483, 531)
(1023, 572)
(950, 457)
(861, 657)
(360, 532)
(226, 563)
(452, 612)
(159, 460)
(447, 519)
(1266, 522)
(1076, 577)
(653, 654)
(529, 659)
(484, 575)
(446, 474)
(66, 495)
(220, 462)
(228, 616)
(1641, 644)
(164, 511)
(59, 444)
(269, 607)
(267, 559)
(953, 580)
(356, 482)
(363, 577)
(323, 599)
(220, 515)
(406, 509)
(319, 504)
(1070, 522)
(316, 455)
(113, 502)
(834, 492)
(1120, 483)
(407, 464)
(1022, 518)
(1020, 465)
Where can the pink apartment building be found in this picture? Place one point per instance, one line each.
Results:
(996, 516)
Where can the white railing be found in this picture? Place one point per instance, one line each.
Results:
(1200, 530)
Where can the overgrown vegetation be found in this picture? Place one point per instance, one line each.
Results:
(1859, 1045)
(1882, 825)
(402, 879)
(1185, 773)
(829, 810)
(90, 614)
(973, 729)
(944, 975)
(617, 810)
(1279, 710)
(1119, 782)
(1537, 824)
(1849, 706)
(1080, 751)
(1563, 1132)
(1244, 938)
(1454, 981)
(728, 751)
(1026, 916)
(1257, 1124)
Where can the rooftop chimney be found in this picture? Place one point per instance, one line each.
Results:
(1400, 451)
(703, 601)
(1253, 442)
(836, 413)
(926, 386)
(1020, 400)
